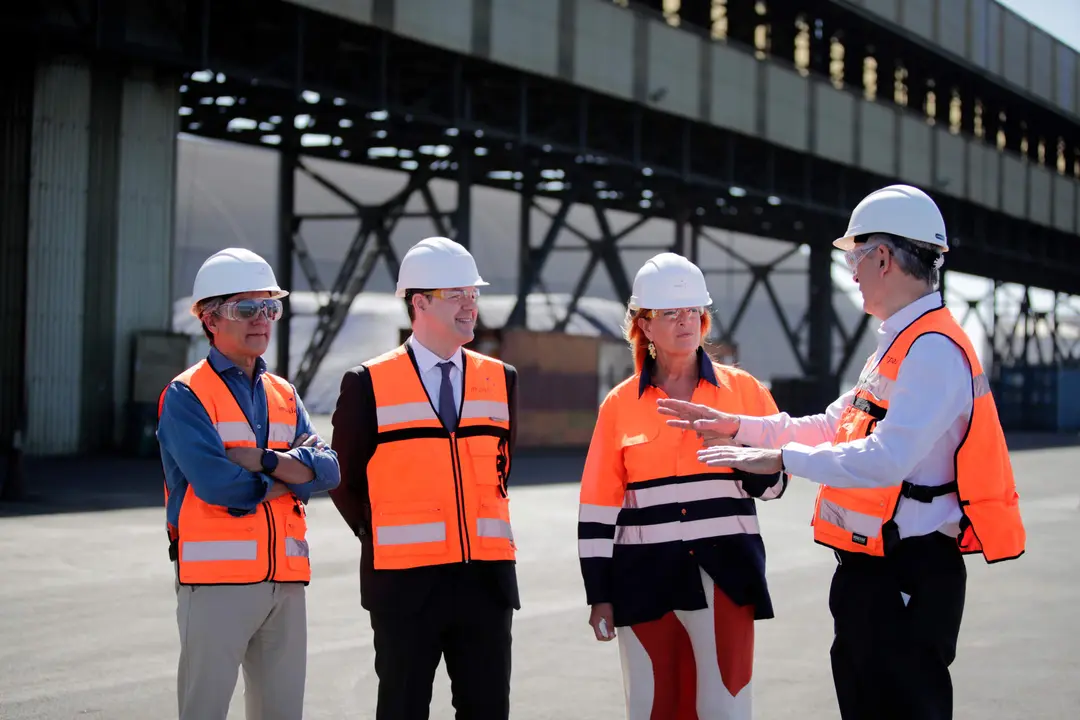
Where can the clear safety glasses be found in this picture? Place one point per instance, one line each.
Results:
(271, 309)
(675, 314)
(853, 257)
(456, 295)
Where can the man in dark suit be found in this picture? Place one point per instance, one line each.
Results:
(425, 436)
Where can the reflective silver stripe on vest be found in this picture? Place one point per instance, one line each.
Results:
(296, 548)
(595, 548)
(405, 412)
(607, 514)
(282, 433)
(493, 527)
(235, 432)
(491, 409)
(408, 534)
(207, 550)
(682, 493)
(690, 530)
(981, 385)
(878, 384)
(850, 520)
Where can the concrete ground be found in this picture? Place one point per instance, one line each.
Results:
(88, 630)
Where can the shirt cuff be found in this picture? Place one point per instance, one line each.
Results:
(751, 431)
(796, 459)
(303, 491)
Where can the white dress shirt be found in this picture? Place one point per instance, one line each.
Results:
(929, 407)
(431, 373)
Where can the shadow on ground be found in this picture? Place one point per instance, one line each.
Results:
(112, 482)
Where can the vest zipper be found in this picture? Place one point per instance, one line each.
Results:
(459, 497)
(270, 541)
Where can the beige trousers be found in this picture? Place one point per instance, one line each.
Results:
(261, 627)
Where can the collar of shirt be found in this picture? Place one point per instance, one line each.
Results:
(427, 360)
(222, 364)
(906, 315)
(706, 371)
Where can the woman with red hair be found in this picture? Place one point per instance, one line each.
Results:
(670, 550)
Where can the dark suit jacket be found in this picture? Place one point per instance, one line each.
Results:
(355, 438)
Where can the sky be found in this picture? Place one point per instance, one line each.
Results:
(1060, 18)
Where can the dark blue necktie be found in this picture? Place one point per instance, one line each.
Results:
(447, 406)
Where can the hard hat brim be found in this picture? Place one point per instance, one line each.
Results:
(845, 243)
(635, 305)
(276, 293)
(400, 292)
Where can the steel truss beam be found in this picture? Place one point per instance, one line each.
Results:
(1014, 337)
(799, 337)
(420, 92)
(604, 250)
(371, 241)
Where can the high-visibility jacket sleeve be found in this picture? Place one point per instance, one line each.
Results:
(603, 485)
(759, 402)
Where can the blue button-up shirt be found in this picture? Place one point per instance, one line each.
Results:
(192, 452)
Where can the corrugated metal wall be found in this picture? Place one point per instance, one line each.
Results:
(56, 257)
(100, 228)
(148, 127)
(99, 327)
(16, 107)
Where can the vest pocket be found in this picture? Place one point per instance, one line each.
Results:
(409, 528)
(490, 462)
(296, 545)
(223, 550)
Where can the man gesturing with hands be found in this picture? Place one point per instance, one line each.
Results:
(912, 467)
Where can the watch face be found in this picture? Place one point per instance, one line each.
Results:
(269, 460)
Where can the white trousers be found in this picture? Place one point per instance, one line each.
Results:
(261, 627)
(690, 665)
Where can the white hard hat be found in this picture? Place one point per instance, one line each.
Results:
(232, 271)
(668, 281)
(899, 210)
(437, 262)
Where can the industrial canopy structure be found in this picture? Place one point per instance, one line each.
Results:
(766, 117)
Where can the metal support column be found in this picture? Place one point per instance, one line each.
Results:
(463, 216)
(287, 226)
(519, 315)
(819, 355)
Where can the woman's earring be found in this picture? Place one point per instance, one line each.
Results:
(652, 351)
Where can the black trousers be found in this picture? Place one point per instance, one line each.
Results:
(466, 621)
(890, 661)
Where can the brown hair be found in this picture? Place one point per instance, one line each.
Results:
(639, 344)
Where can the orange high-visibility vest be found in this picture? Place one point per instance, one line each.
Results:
(853, 519)
(216, 548)
(439, 496)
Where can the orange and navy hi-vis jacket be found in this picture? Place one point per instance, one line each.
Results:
(861, 520)
(652, 516)
(438, 495)
(214, 547)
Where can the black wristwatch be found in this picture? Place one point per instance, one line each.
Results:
(269, 461)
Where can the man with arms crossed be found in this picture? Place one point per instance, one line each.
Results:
(241, 460)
